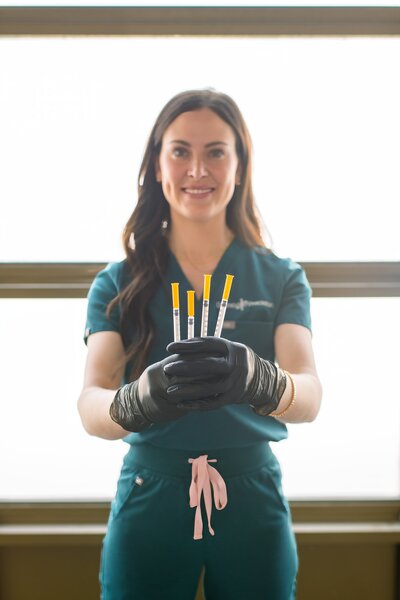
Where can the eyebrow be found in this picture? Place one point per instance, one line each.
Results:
(206, 146)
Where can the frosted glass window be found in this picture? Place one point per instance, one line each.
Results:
(322, 112)
(350, 451)
(45, 452)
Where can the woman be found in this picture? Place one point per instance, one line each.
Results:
(205, 399)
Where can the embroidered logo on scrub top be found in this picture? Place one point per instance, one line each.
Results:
(243, 304)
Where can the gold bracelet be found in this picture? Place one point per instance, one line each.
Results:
(292, 400)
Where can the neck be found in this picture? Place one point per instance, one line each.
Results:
(199, 243)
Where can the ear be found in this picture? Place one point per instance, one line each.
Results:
(157, 168)
(238, 174)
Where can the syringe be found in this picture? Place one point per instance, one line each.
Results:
(190, 303)
(224, 302)
(175, 311)
(206, 303)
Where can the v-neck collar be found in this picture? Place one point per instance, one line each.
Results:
(222, 265)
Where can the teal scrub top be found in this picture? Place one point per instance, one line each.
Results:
(267, 290)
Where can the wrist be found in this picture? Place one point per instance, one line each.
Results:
(126, 409)
(271, 393)
(288, 398)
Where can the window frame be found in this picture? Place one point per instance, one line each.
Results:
(72, 280)
(204, 21)
(327, 279)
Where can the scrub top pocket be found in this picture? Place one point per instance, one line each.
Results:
(258, 335)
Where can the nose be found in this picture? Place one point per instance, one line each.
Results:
(197, 168)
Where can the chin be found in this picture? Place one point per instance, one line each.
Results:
(202, 216)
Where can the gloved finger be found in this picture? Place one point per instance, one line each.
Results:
(208, 345)
(194, 391)
(216, 384)
(204, 404)
(178, 380)
(205, 367)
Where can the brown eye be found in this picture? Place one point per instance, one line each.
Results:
(179, 152)
(217, 152)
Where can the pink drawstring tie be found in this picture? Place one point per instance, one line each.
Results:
(202, 475)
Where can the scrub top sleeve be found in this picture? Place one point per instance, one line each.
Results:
(296, 297)
(102, 291)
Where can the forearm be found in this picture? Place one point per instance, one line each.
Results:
(307, 402)
(94, 406)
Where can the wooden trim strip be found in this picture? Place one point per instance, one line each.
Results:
(202, 21)
(354, 279)
(92, 534)
(72, 280)
(52, 535)
(87, 512)
(347, 533)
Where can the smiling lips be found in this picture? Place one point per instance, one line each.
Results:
(198, 191)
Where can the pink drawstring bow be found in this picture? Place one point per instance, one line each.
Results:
(202, 475)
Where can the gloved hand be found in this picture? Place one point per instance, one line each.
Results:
(139, 404)
(211, 372)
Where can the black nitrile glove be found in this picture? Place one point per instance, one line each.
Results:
(211, 372)
(137, 405)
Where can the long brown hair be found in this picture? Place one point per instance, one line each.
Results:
(144, 236)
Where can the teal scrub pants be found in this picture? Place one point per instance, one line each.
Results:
(149, 552)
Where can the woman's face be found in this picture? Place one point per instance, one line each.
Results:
(198, 166)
